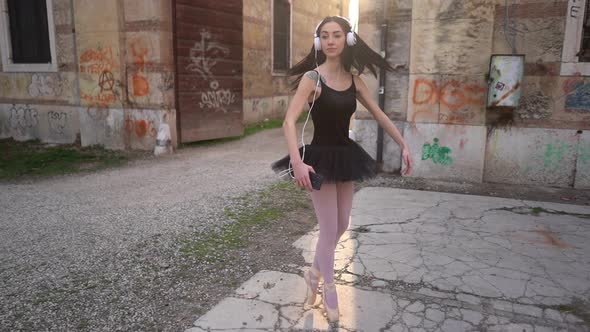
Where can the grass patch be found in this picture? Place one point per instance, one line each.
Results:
(33, 158)
(247, 214)
(578, 308)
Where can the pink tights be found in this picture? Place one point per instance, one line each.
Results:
(332, 205)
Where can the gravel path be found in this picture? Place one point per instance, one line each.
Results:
(56, 233)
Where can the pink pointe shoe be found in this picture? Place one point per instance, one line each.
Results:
(312, 279)
(332, 313)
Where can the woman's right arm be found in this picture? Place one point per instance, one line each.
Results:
(304, 90)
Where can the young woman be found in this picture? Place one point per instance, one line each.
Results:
(324, 80)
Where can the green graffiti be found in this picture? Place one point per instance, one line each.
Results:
(552, 152)
(438, 154)
(584, 153)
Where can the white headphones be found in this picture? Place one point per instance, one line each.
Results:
(350, 37)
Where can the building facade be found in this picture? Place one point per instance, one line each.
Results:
(111, 72)
(441, 51)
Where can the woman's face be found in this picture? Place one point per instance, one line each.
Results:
(332, 38)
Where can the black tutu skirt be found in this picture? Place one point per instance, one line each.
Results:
(336, 163)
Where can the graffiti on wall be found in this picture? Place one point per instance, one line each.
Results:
(33, 85)
(204, 56)
(97, 66)
(141, 127)
(451, 95)
(140, 49)
(577, 95)
(45, 86)
(57, 122)
(23, 118)
(438, 154)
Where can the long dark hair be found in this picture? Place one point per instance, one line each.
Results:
(360, 56)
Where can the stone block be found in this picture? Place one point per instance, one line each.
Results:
(15, 85)
(87, 20)
(399, 38)
(531, 156)
(450, 152)
(582, 180)
(102, 126)
(279, 106)
(396, 96)
(62, 12)
(144, 48)
(452, 10)
(48, 123)
(65, 48)
(142, 10)
(462, 99)
(99, 68)
(423, 99)
(451, 46)
(141, 127)
(150, 89)
(257, 109)
(541, 39)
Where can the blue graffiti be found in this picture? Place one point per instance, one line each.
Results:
(579, 98)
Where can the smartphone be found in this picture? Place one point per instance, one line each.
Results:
(316, 180)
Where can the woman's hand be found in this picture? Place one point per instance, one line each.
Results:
(406, 159)
(302, 175)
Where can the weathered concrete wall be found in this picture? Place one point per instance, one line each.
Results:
(533, 156)
(443, 151)
(120, 59)
(445, 90)
(582, 179)
(266, 95)
(126, 64)
(53, 123)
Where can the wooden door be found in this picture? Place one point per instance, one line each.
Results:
(208, 51)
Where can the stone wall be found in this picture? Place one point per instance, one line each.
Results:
(438, 91)
(267, 95)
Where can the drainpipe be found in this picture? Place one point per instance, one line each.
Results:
(382, 73)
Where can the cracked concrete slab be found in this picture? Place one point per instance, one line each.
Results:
(425, 261)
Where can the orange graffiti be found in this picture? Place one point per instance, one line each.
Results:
(95, 61)
(102, 99)
(452, 96)
(432, 91)
(141, 86)
(140, 50)
(141, 127)
(455, 95)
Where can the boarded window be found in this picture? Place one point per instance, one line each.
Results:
(29, 34)
(281, 34)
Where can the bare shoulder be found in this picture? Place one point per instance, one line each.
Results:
(358, 82)
(312, 74)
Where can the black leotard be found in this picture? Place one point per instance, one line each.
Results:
(331, 152)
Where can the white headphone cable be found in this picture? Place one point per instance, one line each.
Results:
(288, 170)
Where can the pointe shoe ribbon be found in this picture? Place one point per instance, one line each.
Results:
(312, 279)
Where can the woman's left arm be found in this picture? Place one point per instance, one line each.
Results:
(366, 100)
